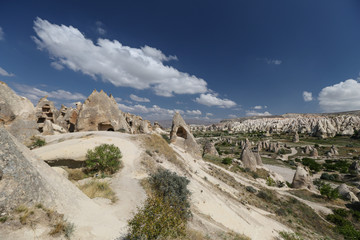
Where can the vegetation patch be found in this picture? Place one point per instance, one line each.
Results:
(37, 142)
(96, 188)
(166, 211)
(155, 143)
(343, 223)
(104, 158)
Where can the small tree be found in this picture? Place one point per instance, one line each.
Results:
(329, 192)
(104, 158)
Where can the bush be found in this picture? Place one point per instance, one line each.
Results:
(329, 177)
(158, 219)
(343, 225)
(327, 191)
(166, 138)
(312, 164)
(165, 212)
(104, 158)
(227, 161)
(172, 188)
(37, 142)
(270, 182)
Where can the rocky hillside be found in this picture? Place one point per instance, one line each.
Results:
(319, 125)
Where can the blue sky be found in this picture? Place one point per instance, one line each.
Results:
(206, 59)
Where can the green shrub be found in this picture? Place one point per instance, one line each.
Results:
(337, 165)
(165, 212)
(37, 142)
(343, 225)
(166, 138)
(227, 161)
(172, 188)
(312, 164)
(104, 158)
(329, 192)
(289, 236)
(270, 182)
(329, 177)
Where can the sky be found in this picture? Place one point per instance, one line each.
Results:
(208, 60)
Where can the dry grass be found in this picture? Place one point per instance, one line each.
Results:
(96, 188)
(155, 143)
(76, 174)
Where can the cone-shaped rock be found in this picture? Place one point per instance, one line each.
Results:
(302, 179)
(210, 149)
(180, 134)
(100, 112)
(248, 158)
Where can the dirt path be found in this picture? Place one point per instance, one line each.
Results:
(285, 157)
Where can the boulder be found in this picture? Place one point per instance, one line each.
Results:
(209, 148)
(181, 135)
(100, 112)
(355, 167)
(345, 193)
(302, 179)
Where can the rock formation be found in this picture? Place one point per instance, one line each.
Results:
(296, 137)
(314, 153)
(180, 134)
(320, 125)
(100, 112)
(302, 179)
(248, 158)
(345, 193)
(45, 110)
(17, 114)
(209, 148)
(137, 124)
(258, 159)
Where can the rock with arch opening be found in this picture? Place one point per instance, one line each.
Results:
(100, 112)
(180, 134)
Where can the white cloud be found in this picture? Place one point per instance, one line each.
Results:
(232, 116)
(307, 96)
(57, 66)
(344, 96)
(154, 112)
(100, 28)
(139, 68)
(1, 34)
(193, 112)
(4, 73)
(258, 107)
(34, 94)
(139, 99)
(210, 99)
(254, 113)
(273, 61)
(209, 114)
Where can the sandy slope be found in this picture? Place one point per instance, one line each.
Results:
(125, 183)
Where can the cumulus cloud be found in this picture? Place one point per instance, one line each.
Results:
(139, 68)
(1, 34)
(307, 96)
(34, 94)
(100, 28)
(259, 107)
(138, 99)
(254, 113)
(4, 73)
(193, 112)
(209, 114)
(232, 116)
(344, 96)
(211, 99)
